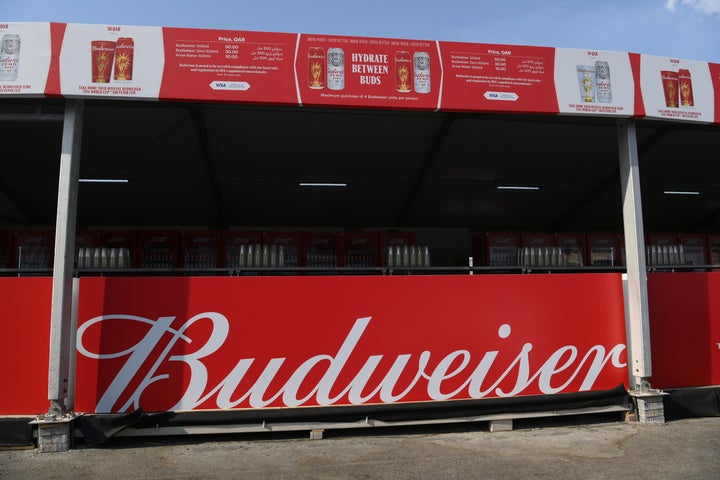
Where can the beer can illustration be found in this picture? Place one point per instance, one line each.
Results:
(670, 87)
(336, 69)
(316, 68)
(586, 82)
(421, 74)
(602, 82)
(102, 54)
(124, 59)
(403, 69)
(685, 88)
(9, 57)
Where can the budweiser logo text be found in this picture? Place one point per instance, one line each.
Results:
(340, 376)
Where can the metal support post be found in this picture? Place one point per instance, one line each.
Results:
(636, 294)
(62, 327)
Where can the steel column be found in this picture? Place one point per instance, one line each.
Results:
(62, 327)
(636, 298)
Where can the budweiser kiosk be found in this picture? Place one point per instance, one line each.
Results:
(162, 347)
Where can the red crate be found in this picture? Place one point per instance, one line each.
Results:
(291, 243)
(6, 250)
(394, 239)
(201, 249)
(34, 249)
(359, 249)
(321, 249)
(695, 248)
(604, 250)
(158, 248)
(502, 248)
(236, 241)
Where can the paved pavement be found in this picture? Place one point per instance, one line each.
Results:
(565, 449)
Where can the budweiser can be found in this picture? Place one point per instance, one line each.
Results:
(102, 55)
(421, 74)
(670, 87)
(685, 88)
(403, 68)
(603, 88)
(336, 69)
(124, 55)
(9, 57)
(586, 82)
(316, 68)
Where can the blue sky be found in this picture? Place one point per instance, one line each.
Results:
(686, 29)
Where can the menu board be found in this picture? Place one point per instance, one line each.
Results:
(484, 77)
(25, 52)
(368, 72)
(111, 61)
(594, 82)
(229, 66)
(679, 90)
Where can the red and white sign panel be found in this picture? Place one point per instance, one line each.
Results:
(500, 78)
(229, 66)
(25, 52)
(679, 90)
(684, 329)
(111, 61)
(715, 74)
(592, 82)
(228, 343)
(368, 72)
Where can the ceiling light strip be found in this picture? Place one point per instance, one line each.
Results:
(516, 187)
(680, 192)
(103, 180)
(322, 184)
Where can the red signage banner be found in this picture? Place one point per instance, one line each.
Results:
(232, 343)
(368, 72)
(229, 66)
(500, 78)
(684, 329)
(715, 75)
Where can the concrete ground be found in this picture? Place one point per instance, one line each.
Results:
(567, 448)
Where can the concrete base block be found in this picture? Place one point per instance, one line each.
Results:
(501, 425)
(650, 408)
(55, 437)
(316, 434)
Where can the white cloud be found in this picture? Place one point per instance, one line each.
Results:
(709, 7)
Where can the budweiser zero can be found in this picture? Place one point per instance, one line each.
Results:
(316, 68)
(336, 69)
(403, 69)
(685, 88)
(421, 73)
(602, 82)
(9, 57)
(124, 57)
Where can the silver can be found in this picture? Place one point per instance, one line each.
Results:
(9, 57)
(602, 82)
(336, 69)
(421, 73)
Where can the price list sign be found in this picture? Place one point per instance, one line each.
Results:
(233, 66)
(499, 78)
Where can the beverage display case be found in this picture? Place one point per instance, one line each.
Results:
(201, 249)
(694, 247)
(236, 245)
(502, 249)
(572, 248)
(538, 250)
(713, 246)
(291, 243)
(604, 250)
(5, 249)
(159, 248)
(321, 249)
(122, 245)
(396, 241)
(359, 249)
(663, 249)
(87, 253)
(34, 249)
